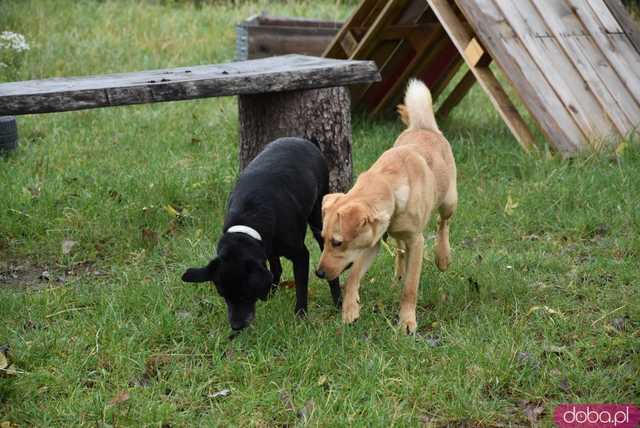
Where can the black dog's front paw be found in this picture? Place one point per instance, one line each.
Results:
(336, 294)
(337, 302)
(301, 312)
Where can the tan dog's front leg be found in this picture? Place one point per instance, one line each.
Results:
(351, 300)
(401, 261)
(415, 248)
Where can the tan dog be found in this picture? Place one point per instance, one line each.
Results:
(397, 195)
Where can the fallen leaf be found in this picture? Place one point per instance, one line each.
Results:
(532, 411)
(510, 206)
(619, 323)
(183, 315)
(149, 236)
(287, 401)
(115, 195)
(545, 309)
(121, 397)
(67, 246)
(306, 410)
(8, 424)
(44, 276)
(433, 342)
(171, 210)
(554, 349)
(322, 380)
(621, 148)
(220, 394)
(426, 421)
(152, 369)
(4, 357)
(287, 284)
(34, 191)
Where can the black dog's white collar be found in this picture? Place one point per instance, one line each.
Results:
(246, 230)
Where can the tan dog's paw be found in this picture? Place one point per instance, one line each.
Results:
(350, 312)
(408, 323)
(442, 261)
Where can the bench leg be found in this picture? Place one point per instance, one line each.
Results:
(321, 114)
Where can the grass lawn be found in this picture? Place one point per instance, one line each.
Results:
(541, 305)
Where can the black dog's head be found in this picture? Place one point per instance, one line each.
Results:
(240, 275)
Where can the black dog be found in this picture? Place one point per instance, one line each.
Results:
(277, 194)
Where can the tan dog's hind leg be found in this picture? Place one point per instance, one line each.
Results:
(351, 300)
(415, 248)
(443, 251)
(401, 260)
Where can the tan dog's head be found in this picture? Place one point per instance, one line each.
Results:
(349, 228)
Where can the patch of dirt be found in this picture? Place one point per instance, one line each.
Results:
(24, 274)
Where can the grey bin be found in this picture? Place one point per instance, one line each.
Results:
(8, 134)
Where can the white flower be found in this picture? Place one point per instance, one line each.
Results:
(14, 41)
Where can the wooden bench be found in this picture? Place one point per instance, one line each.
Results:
(290, 95)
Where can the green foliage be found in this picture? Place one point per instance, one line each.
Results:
(540, 307)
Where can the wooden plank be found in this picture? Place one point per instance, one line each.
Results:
(558, 69)
(349, 43)
(609, 24)
(428, 49)
(475, 54)
(396, 32)
(290, 72)
(629, 26)
(386, 16)
(592, 66)
(385, 52)
(280, 40)
(616, 48)
(390, 57)
(291, 22)
(499, 39)
(464, 85)
(334, 49)
(461, 38)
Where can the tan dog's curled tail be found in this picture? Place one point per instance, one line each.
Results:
(417, 111)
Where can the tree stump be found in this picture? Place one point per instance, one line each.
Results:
(323, 115)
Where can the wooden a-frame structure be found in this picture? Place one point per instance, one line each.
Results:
(575, 64)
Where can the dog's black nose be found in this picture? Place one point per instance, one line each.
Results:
(237, 325)
(320, 273)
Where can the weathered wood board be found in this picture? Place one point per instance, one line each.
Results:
(275, 74)
(261, 36)
(405, 39)
(573, 64)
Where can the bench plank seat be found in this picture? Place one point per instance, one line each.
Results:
(275, 74)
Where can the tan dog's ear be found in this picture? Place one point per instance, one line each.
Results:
(404, 114)
(352, 219)
(328, 200)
